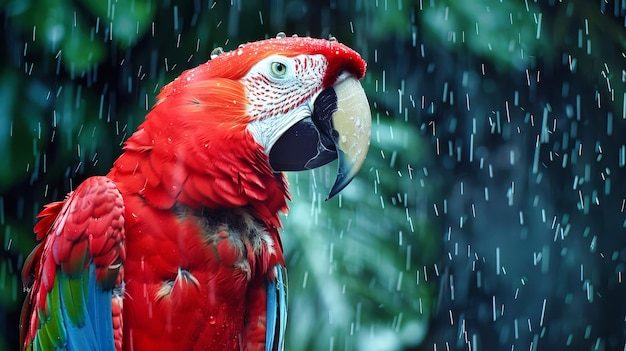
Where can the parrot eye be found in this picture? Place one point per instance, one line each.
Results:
(279, 69)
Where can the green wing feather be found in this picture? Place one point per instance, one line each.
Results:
(68, 276)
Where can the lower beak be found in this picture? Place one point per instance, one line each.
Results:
(339, 128)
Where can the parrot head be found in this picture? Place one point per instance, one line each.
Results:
(237, 121)
(319, 112)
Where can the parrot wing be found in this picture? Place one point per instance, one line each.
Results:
(276, 310)
(74, 276)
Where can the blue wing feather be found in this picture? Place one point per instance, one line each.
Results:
(71, 276)
(272, 302)
(99, 305)
(282, 304)
(276, 310)
(96, 333)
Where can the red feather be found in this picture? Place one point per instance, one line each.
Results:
(92, 213)
(200, 214)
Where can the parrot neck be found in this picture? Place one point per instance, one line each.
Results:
(231, 174)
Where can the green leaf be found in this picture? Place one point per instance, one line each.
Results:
(127, 20)
(20, 128)
(80, 52)
(508, 32)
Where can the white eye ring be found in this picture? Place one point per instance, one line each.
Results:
(278, 69)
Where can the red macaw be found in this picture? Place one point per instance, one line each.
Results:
(178, 247)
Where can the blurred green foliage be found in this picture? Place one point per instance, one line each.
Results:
(455, 184)
(361, 258)
(79, 78)
(504, 32)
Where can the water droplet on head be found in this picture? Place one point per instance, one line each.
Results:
(281, 35)
(216, 52)
(212, 320)
(331, 38)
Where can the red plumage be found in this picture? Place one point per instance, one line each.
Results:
(191, 210)
(88, 227)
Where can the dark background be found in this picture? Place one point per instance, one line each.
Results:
(488, 216)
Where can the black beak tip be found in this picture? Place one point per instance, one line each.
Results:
(345, 174)
(336, 189)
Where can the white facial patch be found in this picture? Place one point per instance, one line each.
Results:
(281, 91)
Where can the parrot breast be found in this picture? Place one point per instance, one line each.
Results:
(191, 288)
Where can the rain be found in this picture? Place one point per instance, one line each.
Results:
(489, 213)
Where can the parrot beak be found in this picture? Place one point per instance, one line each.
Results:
(338, 128)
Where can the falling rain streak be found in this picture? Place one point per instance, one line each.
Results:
(488, 214)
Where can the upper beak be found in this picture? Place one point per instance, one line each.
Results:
(339, 128)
